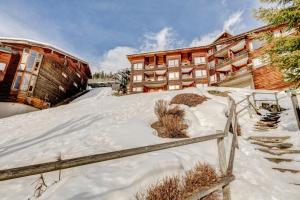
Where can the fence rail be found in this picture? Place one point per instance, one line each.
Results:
(226, 165)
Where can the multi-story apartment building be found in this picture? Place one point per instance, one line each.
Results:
(233, 61)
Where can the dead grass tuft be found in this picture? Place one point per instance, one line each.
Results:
(189, 99)
(203, 175)
(170, 121)
(173, 127)
(219, 93)
(178, 188)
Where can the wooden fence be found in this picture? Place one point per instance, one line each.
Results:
(226, 165)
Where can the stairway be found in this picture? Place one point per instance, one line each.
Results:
(276, 147)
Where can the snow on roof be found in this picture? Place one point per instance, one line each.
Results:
(40, 44)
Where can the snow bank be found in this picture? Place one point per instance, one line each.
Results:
(99, 122)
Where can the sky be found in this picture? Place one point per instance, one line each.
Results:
(103, 32)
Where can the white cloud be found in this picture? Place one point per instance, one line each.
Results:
(233, 20)
(162, 40)
(116, 58)
(233, 24)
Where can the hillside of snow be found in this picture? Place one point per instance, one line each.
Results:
(99, 122)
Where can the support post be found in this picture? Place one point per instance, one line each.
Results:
(277, 102)
(296, 107)
(223, 166)
(254, 101)
(249, 106)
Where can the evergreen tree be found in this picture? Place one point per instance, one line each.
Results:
(284, 51)
(122, 78)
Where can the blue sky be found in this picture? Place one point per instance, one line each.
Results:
(104, 31)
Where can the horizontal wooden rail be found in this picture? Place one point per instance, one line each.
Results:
(208, 190)
(241, 101)
(29, 170)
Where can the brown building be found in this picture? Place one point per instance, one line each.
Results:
(39, 75)
(229, 61)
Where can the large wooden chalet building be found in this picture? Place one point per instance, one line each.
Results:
(38, 75)
(229, 61)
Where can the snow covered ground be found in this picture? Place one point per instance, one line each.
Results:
(99, 122)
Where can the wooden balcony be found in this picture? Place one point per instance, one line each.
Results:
(240, 78)
(243, 55)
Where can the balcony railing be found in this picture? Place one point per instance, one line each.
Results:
(185, 76)
(236, 57)
(236, 74)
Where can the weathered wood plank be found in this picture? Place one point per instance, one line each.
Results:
(279, 160)
(294, 171)
(13, 173)
(269, 139)
(279, 152)
(273, 145)
(208, 190)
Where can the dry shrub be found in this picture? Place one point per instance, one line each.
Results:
(188, 99)
(178, 188)
(218, 93)
(176, 111)
(161, 108)
(173, 127)
(170, 121)
(203, 175)
(167, 189)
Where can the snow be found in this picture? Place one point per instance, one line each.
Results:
(99, 122)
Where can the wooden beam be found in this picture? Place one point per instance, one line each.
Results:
(13, 173)
(208, 190)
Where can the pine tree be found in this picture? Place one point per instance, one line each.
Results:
(284, 51)
(122, 77)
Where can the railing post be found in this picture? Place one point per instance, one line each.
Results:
(223, 166)
(295, 106)
(249, 106)
(254, 101)
(277, 102)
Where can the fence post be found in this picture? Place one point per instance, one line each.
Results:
(249, 106)
(277, 103)
(223, 166)
(254, 101)
(296, 107)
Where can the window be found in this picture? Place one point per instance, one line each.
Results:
(17, 81)
(137, 89)
(138, 66)
(64, 75)
(137, 78)
(61, 88)
(32, 84)
(2, 66)
(210, 52)
(261, 61)
(173, 75)
(277, 33)
(201, 73)
(213, 78)
(199, 60)
(174, 87)
(75, 84)
(173, 63)
(256, 44)
(201, 85)
(25, 82)
(212, 64)
(30, 61)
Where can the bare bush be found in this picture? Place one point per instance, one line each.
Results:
(161, 108)
(173, 127)
(189, 99)
(170, 122)
(167, 189)
(176, 111)
(178, 188)
(203, 175)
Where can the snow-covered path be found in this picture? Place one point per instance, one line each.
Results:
(98, 122)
